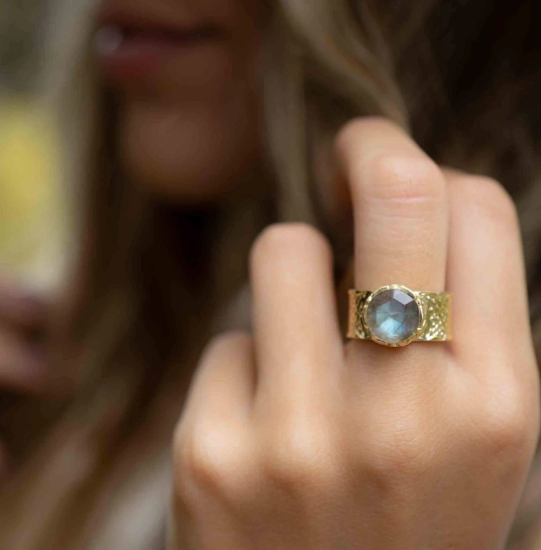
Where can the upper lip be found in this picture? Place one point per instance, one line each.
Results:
(133, 17)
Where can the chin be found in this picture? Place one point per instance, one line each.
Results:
(188, 155)
(189, 183)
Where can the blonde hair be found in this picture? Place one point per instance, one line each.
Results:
(97, 474)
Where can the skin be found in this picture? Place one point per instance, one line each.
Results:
(23, 365)
(22, 316)
(191, 131)
(313, 444)
(310, 443)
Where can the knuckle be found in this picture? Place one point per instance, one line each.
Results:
(210, 461)
(402, 180)
(400, 448)
(285, 238)
(301, 458)
(508, 430)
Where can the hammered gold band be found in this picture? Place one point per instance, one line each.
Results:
(383, 316)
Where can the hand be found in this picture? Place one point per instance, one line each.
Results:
(23, 367)
(291, 440)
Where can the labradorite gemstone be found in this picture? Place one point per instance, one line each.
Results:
(393, 316)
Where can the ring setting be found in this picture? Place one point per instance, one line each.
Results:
(395, 316)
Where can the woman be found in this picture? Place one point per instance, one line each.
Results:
(195, 125)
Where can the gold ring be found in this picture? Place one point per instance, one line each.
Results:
(395, 316)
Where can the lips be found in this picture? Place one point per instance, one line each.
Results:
(132, 45)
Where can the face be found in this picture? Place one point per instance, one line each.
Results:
(186, 76)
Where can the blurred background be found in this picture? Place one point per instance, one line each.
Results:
(31, 209)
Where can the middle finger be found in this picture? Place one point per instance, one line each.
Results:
(400, 207)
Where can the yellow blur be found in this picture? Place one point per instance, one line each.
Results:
(30, 215)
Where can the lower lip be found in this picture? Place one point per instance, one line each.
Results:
(136, 57)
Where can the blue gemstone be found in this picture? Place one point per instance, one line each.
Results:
(393, 316)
